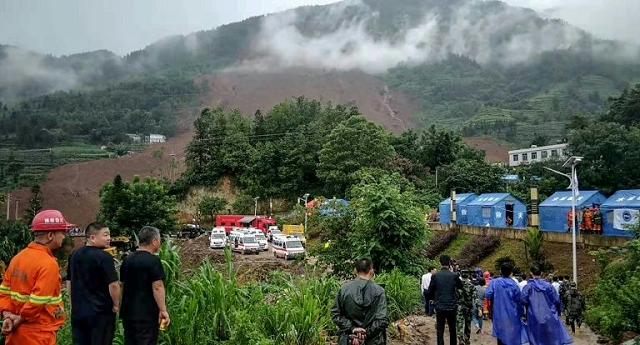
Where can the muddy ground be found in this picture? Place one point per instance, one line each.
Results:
(421, 329)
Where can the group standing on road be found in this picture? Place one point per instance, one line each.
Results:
(523, 311)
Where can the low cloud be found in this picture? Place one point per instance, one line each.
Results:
(504, 35)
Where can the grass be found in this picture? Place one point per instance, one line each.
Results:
(511, 248)
(454, 248)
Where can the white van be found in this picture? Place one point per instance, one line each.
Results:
(218, 238)
(260, 237)
(242, 242)
(287, 247)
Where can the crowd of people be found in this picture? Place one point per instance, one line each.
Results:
(588, 220)
(31, 298)
(522, 310)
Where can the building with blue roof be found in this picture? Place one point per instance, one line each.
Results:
(619, 212)
(493, 209)
(555, 210)
(462, 200)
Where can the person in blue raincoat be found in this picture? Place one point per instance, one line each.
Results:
(543, 312)
(506, 300)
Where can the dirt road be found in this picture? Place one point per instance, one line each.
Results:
(420, 329)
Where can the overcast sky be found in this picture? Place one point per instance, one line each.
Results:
(72, 26)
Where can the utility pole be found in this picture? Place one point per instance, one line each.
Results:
(16, 213)
(306, 196)
(255, 208)
(8, 205)
(572, 162)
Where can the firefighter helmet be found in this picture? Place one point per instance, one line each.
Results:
(49, 220)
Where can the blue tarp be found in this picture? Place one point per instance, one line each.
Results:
(462, 200)
(333, 207)
(554, 210)
(619, 211)
(492, 209)
(510, 178)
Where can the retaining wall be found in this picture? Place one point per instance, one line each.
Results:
(518, 234)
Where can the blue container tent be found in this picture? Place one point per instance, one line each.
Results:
(554, 210)
(620, 211)
(462, 200)
(492, 209)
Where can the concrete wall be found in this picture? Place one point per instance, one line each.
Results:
(518, 234)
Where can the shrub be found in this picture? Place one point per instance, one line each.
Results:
(506, 260)
(439, 242)
(477, 249)
(533, 241)
(403, 295)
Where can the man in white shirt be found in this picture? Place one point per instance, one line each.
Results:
(523, 283)
(556, 284)
(424, 284)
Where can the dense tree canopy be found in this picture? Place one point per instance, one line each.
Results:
(128, 206)
(354, 144)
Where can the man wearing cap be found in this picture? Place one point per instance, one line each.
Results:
(30, 299)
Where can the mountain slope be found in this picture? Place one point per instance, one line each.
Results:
(482, 67)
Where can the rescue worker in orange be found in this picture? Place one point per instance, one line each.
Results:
(569, 221)
(30, 297)
(588, 219)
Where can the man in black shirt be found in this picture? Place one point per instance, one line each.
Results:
(94, 289)
(143, 296)
(442, 291)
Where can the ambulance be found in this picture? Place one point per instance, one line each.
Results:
(287, 247)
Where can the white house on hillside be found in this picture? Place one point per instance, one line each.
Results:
(537, 154)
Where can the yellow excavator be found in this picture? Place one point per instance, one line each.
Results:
(121, 245)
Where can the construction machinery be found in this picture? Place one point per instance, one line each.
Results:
(121, 245)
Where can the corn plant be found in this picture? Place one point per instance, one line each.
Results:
(403, 294)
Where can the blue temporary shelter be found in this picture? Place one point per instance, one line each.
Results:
(492, 209)
(554, 210)
(462, 200)
(620, 211)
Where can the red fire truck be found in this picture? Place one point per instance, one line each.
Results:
(231, 221)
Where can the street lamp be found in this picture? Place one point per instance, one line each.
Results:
(573, 178)
(255, 207)
(305, 196)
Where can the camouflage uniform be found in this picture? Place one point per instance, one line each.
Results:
(468, 303)
(575, 308)
(564, 289)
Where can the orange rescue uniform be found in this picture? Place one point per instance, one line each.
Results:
(31, 289)
(588, 219)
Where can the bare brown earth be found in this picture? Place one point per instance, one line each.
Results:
(494, 151)
(251, 91)
(73, 188)
(420, 329)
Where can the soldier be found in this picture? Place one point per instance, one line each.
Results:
(468, 304)
(575, 307)
(597, 220)
(564, 288)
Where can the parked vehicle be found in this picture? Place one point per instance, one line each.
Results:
(230, 221)
(242, 242)
(190, 231)
(287, 247)
(292, 229)
(218, 238)
(261, 238)
(273, 233)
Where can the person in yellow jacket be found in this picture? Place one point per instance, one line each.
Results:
(30, 295)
